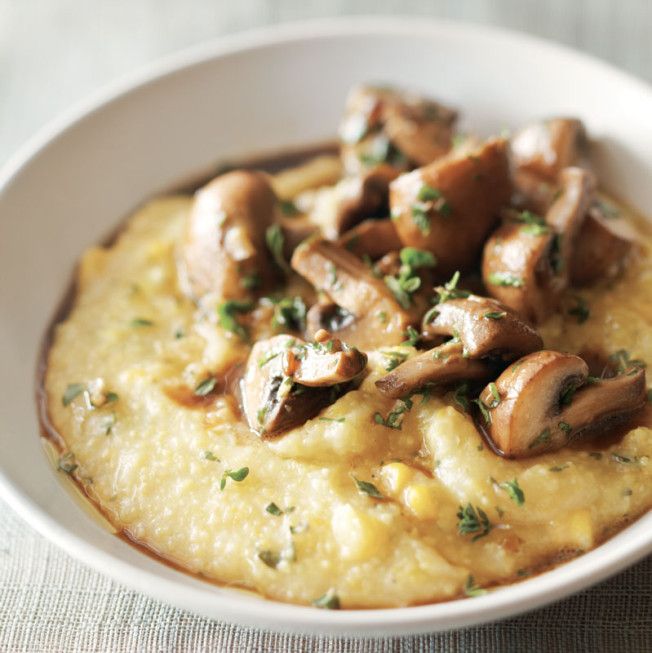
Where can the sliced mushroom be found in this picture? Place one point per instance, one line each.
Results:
(601, 248)
(484, 326)
(545, 148)
(382, 125)
(442, 365)
(379, 318)
(542, 402)
(288, 381)
(526, 265)
(224, 241)
(450, 206)
(372, 238)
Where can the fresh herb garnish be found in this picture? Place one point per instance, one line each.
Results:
(420, 218)
(624, 362)
(72, 392)
(394, 418)
(412, 337)
(505, 279)
(625, 460)
(67, 463)
(111, 397)
(483, 408)
(238, 475)
(205, 387)
(270, 558)
(339, 420)
(514, 491)
(226, 313)
(450, 291)
(141, 322)
(565, 427)
(580, 310)
(533, 224)
(209, 455)
(250, 281)
(542, 438)
(417, 258)
(329, 601)
(290, 314)
(368, 488)
(275, 242)
(494, 315)
(473, 520)
(460, 396)
(558, 468)
(270, 355)
(495, 395)
(394, 359)
(273, 509)
(288, 207)
(471, 589)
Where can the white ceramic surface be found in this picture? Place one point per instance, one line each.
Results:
(251, 93)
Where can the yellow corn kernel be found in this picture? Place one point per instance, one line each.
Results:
(396, 476)
(421, 501)
(358, 535)
(580, 529)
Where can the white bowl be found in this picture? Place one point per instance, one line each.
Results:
(264, 91)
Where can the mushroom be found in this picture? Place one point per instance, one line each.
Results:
(450, 206)
(382, 125)
(484, 326)
(544, 149)
(224, 240)
(328, 316)
(349, 283)
(442, 365)
(288, 381)
(372, 238)
(543, 401)
(526, 263)
(601, 248)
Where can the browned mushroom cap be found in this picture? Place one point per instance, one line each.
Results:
(372, 238)
(383, 125)
(450, 206)
(380, 320)
(484, 326)
(601, 247)
(517, 269)
(328, 362)
(224, 241)
(526, 264)
(274, 400)
(545, 148)
(442, 365)
(534, 407)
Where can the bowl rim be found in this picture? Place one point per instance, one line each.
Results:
(632, 543)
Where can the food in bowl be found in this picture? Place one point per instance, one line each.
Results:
(409, 372)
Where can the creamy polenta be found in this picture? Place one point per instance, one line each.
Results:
(373, 500)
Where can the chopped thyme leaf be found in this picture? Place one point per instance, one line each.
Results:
(288, 207)
(412, 337)
(542, 438)
(382, 317)
(394, 359)
(486, 415)
(471, 589)
(290, 313)
(417, 258)
(270, 558)
(111, 397)
(608, 209)
(505, 279)
(450, 290)
(263, 360)
(368, 488)
(565, 427)
(275, 242)
(558, 468)
(460, 396)
(238, 475)
(205, 387)
(394, 419)
(141, 322)
(493, 388)
(494, 315)
(514, 491)
(329, 601)
(428, 193)
(250, 281)
(533, 224)
(273, 509)
(420, 218)
(624, 362)
(401, 296)
(339, 420)
(473, 520)
(226, 313)
(67, 463)
(209, 455)
(580, 310)
(72, 392)
(567, 396)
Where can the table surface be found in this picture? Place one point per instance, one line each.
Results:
(55, 52)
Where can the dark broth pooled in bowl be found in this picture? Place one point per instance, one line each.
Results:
(363, 380)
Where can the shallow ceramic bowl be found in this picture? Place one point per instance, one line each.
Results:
(252, 93)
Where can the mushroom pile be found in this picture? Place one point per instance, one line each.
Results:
(420, 212)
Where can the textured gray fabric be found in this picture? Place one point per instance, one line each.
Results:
(52, 53)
